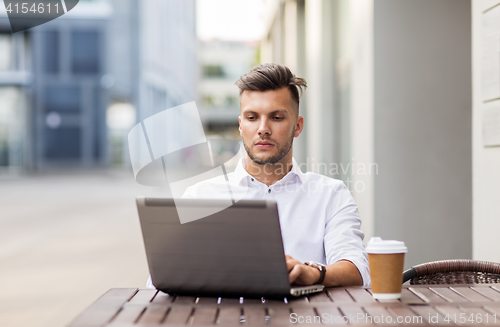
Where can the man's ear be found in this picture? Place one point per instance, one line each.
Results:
(299, 126)
(239, 125)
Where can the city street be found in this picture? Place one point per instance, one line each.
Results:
(65, 239)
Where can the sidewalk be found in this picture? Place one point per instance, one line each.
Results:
(65, 240)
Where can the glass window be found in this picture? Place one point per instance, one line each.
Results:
(99, 125)
(62, 143)
(11, 126)
(213, 71)
(50, 51)
(235, 70)
(62, 98)
(5, 52)
(4, 145)
(85, 52)
(232, 100)
(208, 100)
(120, 117)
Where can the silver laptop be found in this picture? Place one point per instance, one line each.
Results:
(235, 252)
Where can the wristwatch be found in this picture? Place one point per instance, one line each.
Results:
(321, 267)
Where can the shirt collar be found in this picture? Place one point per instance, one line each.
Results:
(242, 176)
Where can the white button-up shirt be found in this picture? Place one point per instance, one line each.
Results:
(318, 217)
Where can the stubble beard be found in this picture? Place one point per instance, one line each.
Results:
(282, 152)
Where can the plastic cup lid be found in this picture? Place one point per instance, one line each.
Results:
(378, 245)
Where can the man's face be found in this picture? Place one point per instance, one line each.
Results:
(268, 124)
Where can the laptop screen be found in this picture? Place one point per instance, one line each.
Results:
(236, 251)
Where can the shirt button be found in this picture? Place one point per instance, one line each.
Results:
(269, 191)
(252, 179)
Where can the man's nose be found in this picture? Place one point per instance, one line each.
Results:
(264, 127)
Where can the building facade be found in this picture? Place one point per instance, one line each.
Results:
(71, 88)
(486, 128)
(221, 65)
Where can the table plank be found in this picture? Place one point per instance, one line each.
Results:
(470, 294)
(252, 301)
(279, 315)
(476, 316)
(452, 313)
(163, 298)
(331, 315)
(297, 299)
(184, 300)
(354, 314)
(206, 300)
(339, 295)
(255, 315)
(179, 315)
(429, 315)
(493, 310)
(361, 295)
(104, 308)
(406, 316)
(143, 296)
(128, 314)
(427, 295)
(275, 301)
(379, 315)
(409, 297)
(230, 315)
(304, 315)
(204, 316)
(154, 314)
(319, 297)
(489, 292)
(494, 314)
(449, 295)
(230, 300)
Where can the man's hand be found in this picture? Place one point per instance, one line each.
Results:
(301, 274)
(340, 273)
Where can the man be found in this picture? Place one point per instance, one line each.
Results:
(318, 216)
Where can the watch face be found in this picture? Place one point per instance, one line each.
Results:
(320, 266)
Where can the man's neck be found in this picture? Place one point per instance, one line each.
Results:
(270, 173)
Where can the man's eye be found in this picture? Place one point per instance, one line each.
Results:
(278, 118)
(250, 117)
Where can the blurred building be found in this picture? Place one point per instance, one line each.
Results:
(71, 88)
(388, 102)
(486, 129)
(16, 80)
(153, 64)
(222, 63)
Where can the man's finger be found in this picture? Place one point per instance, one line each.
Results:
(291, 262)
(294, 273)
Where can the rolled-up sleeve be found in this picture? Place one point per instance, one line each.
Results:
(343, 238)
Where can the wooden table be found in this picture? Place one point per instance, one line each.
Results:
(437, 305)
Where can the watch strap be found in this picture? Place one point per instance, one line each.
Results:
(320, 267)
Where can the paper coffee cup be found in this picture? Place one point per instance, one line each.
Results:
(386, 259)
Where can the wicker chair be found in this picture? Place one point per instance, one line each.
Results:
(454, 272)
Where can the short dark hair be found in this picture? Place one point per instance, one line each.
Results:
(268, 77)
